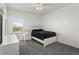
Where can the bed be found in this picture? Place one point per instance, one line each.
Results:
(44, 37)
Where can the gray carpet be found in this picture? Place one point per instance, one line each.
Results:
(34, 48)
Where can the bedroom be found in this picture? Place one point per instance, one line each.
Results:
(20, 19)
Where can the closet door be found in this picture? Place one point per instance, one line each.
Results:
(0, 29)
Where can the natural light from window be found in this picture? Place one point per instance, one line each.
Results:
(17, 24)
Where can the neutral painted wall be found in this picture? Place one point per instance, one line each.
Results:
(65, 22)
(29, 19)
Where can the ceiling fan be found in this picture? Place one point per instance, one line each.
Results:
(41, 6)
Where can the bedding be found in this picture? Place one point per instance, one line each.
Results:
(42, 34)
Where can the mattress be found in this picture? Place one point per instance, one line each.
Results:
(43, 34)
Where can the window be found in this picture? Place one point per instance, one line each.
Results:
(18, 24)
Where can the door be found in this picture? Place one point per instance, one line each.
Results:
(0, 29)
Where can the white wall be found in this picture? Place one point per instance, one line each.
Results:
(65, 22)
(29, 19)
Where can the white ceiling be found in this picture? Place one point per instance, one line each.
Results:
(30, 7)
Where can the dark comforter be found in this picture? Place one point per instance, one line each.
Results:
(42, 34)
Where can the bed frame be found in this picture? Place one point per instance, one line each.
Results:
(47, 41)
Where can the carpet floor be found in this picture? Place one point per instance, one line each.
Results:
(32, 47)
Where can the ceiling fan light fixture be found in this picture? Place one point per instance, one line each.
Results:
(39, 7)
